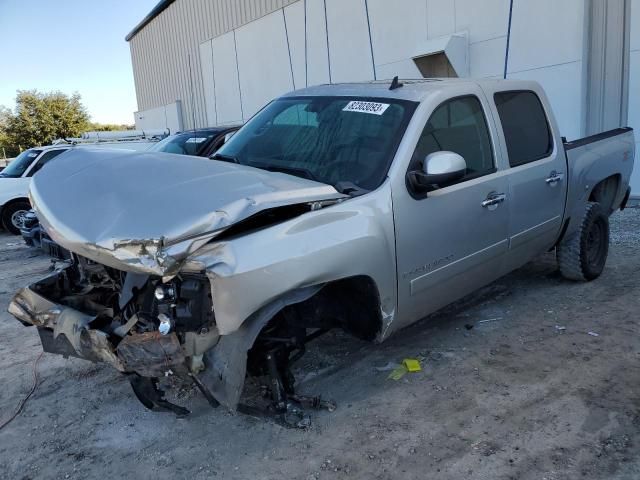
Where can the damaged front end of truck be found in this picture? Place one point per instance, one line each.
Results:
(158, 286)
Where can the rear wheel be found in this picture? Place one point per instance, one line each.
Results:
(583, 256)
(13, 216)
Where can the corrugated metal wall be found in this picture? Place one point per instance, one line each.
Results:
(160, 52)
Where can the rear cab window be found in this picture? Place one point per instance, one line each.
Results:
(525, 126)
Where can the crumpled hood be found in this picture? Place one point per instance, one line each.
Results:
(147, 211)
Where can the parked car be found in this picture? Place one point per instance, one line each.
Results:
(34, 236)
(4, 162)
(363, 207)
(14, 184)
(201, 142)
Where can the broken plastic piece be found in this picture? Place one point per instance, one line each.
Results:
(398, 372)
(490, 320)
(412, 365)
(147, 391)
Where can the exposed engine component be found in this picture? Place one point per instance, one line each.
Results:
(149, 329)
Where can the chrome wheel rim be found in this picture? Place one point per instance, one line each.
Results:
(17, 219)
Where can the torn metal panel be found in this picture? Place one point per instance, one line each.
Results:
(96, 347)
(32, 309)
(62, 329)
(312, 249)
(227, 362)
(71, 323)
(151, 354)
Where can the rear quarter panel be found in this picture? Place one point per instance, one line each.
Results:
(593, 162)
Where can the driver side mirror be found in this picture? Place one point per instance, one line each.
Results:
(439, 169)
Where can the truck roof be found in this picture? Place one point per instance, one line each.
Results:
(412, 89)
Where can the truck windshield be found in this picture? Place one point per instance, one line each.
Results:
(346, 142)
(19, 165)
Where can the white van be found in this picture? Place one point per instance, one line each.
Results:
(16, 177)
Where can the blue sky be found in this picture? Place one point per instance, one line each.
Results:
(71, 45)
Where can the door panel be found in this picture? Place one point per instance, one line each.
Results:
(454, 240)
(537, 174)
(537, 206)
(449, 244)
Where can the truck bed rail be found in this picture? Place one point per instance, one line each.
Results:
(596, 137)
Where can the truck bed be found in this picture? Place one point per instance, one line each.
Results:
(590, 161)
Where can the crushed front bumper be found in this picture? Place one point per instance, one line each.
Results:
(66, 331)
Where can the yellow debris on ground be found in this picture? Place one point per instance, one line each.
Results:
(412, 365)
(407, 365)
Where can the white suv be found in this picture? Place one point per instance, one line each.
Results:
(16, 177)
(14, 183)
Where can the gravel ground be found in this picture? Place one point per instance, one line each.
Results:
(511, 398)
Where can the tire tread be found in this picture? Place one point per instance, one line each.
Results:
(569, 253)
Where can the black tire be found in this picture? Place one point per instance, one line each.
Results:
(9, 215)
(582, 256)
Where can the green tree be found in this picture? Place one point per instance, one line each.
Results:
(40, 118)
(6, 150)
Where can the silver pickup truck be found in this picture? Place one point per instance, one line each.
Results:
(363, 207)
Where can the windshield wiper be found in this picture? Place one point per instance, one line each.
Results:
(349, 188)
(224, 158)
(298, 172)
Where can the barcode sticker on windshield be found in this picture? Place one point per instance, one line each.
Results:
(366, 107)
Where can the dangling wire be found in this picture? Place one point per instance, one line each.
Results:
(24, 400)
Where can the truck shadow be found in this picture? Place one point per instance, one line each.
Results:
(331, 361)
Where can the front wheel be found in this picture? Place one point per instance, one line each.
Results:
(583, 256)
(13, 216)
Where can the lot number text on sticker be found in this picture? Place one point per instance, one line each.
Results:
(366, 107)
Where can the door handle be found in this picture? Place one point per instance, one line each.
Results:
(493, 200)
(554, 178)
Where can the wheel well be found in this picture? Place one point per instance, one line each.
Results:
(12, 201)
(16, 200)
(605, 192)
(352, 304)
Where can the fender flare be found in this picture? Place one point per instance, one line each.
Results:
(227, 361)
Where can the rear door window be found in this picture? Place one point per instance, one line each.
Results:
(525, 126)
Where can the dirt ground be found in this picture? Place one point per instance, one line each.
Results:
(510, 398)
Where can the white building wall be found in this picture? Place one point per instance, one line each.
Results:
(225, 77)
(349, 46)
(317, 64)
(294, 16)
(546, 45)
(264, 67)
(634, 90)
(320, 41)
(165, 117)
(162, 51)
